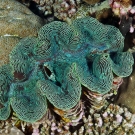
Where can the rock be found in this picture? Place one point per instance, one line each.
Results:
(16, 22)
(127, 93)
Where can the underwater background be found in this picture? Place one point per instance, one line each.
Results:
(67, 67)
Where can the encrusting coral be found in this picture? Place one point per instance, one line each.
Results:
(58, 65)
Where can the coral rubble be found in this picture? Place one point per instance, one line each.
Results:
(120, 7)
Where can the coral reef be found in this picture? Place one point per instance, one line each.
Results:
(63, 81)
(55, 69)
(53, 74)
(82, 119)
(62, 9)
(123, 9)
(111, 120)
(45, 6)
(68, 10)
(126, 12)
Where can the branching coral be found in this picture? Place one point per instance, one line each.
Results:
(124, 9)
(120, 7)
(6, 45)
(68, 10)
(62, 9)
(7, 128)
(56, 65)
(111, 120)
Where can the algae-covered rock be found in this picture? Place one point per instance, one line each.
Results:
(16, 22)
